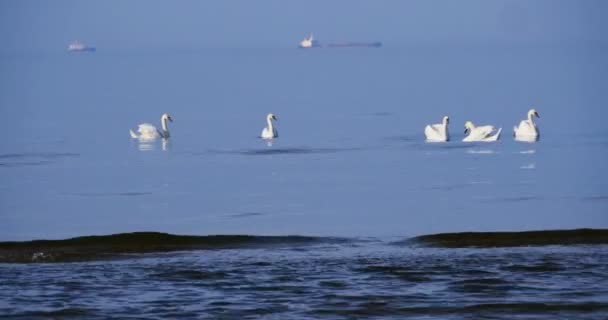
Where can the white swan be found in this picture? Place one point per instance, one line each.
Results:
(270, 132)
(307, 43)
(148, 131)
(438, 132)
(527, 130)
(481, 133)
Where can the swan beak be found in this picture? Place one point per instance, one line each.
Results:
(275, 118)
(536, 114)
(170, 119)
(466, 130)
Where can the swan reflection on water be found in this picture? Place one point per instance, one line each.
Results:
(150, 144)
(269, 142)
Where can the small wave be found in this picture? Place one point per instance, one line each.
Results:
(475, 311)
(481, 182)
(42, 155)
(32, 158)
(527, 152)
(189, 275)
(494, 285)
(117, 245)
(246, 214)
(409, 138)
(512, 239)
(446, 146)
(400, 272)
(544, 267)
(482, 151)
(596, 198)
(513, 199)
(62, 313)
(24, 163)
(281, 151)
(335, 284)
(528, 166)
(110, 194)
(278, 151)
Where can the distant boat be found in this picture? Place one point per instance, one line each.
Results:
(309, 42)
(77, 46)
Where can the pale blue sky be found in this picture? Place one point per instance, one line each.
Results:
(114, 24)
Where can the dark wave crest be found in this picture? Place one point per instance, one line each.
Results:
(116, 245)
(33, 158)
(512, 239)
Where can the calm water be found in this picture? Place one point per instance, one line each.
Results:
(350, 162)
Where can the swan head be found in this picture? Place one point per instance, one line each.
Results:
(166, 117)
(271, 117)
(468, 126)
(446, 119)
(533, 112)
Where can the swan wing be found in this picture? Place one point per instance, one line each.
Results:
(146, 127)
(483, 133)
(147, 131)
(495, 137)
(485, 130)
(437, 127)
(434, 132)
(525, 129)
(266, 134)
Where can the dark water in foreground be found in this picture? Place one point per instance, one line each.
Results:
(310, 278)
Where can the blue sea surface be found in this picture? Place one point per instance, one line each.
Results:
(350, 160)
(350, 166)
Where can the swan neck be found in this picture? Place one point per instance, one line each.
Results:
(269, 121)
(164, 124)
(530, 117)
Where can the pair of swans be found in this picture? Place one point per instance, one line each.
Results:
(527, 131)
(439, 132)
(148, 132)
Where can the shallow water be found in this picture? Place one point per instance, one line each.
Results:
(354, 279)
(350, 160)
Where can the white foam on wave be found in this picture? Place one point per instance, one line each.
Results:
(482, 151)
(533, 151)
(481, 182)
(529, 166)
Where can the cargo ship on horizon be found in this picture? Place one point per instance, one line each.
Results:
(77, 46)
(310, 42)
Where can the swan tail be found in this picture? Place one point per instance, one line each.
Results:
(133, 135)
(497, 135)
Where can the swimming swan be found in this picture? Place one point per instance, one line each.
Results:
(270, 132)
(438, 132)
(481, 133)
(150, 132)
(527, 130)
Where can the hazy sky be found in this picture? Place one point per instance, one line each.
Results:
(116, 24)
